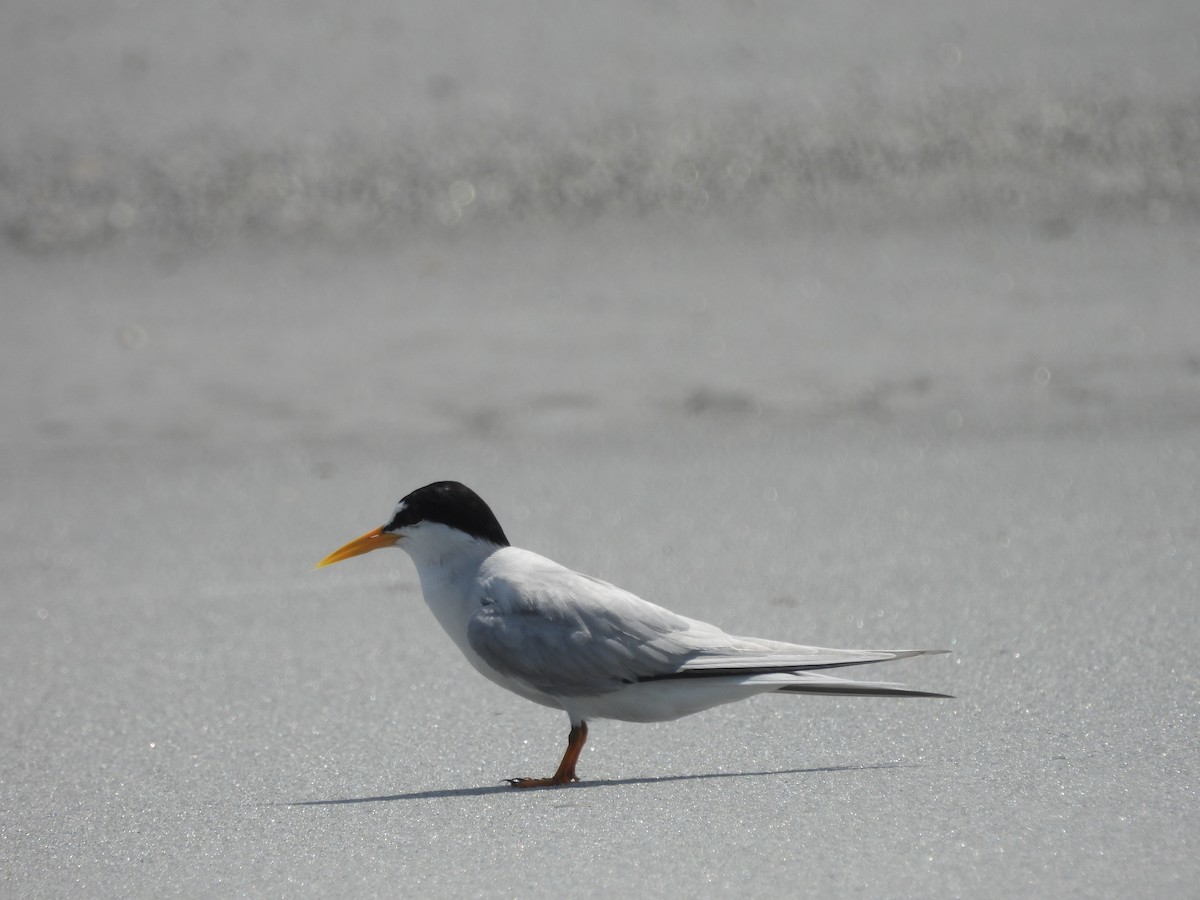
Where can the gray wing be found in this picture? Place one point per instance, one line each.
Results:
(567, 634)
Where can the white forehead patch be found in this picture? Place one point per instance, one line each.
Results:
(400, 507)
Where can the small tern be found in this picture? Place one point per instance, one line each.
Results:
(576, 643)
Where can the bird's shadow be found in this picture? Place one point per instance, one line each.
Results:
(585, 785)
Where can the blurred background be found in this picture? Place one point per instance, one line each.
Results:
(860, 324)
(372, 120)
(920, 205)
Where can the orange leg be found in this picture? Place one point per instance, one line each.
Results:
(566, 768)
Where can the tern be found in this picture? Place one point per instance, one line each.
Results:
(579, 644)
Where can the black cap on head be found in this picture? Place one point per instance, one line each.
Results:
(452, 504)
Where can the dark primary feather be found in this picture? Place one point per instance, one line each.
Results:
(705, 667)
(860, 690)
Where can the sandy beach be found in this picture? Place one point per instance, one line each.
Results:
(849, 328)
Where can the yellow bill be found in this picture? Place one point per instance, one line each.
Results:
(372, 540)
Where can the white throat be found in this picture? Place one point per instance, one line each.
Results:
(448, 563)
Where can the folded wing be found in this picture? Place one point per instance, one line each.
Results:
(567, 634)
